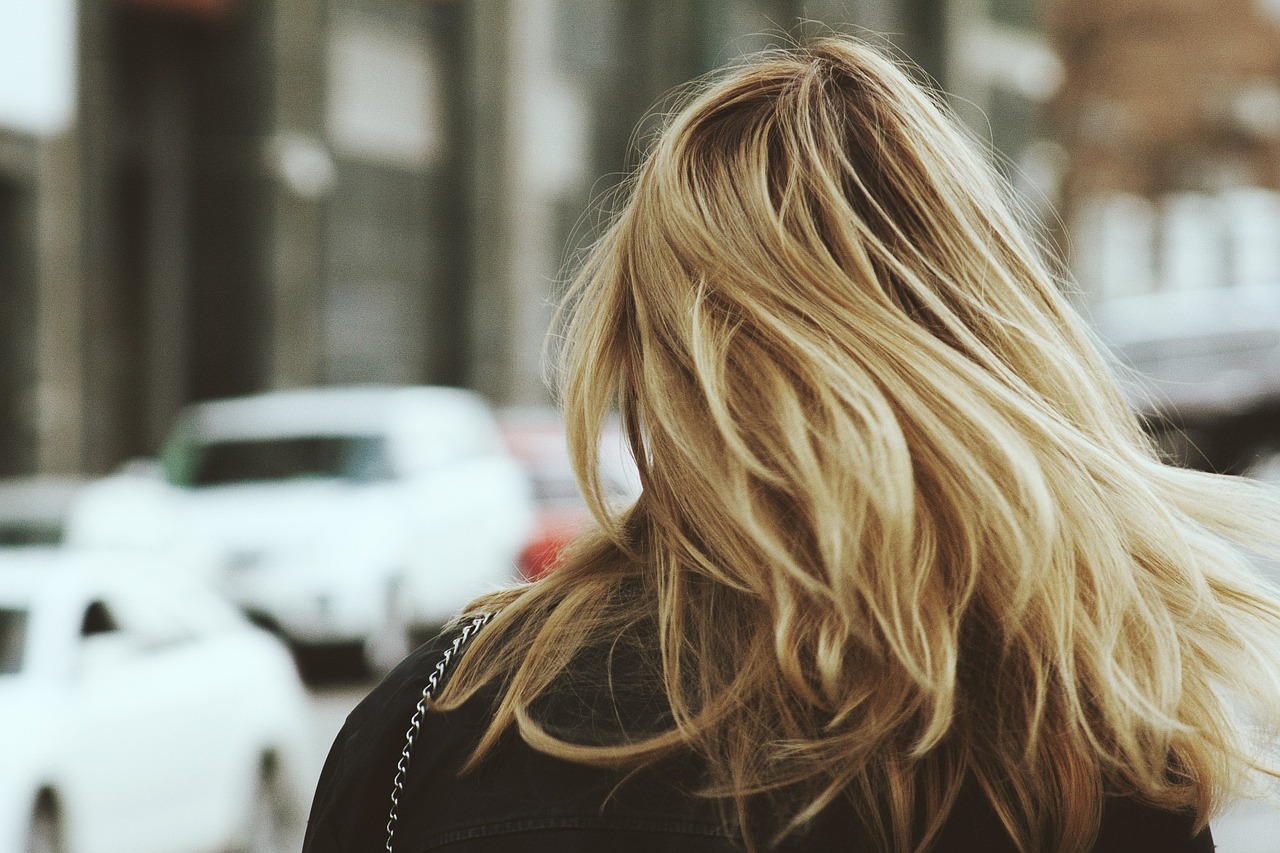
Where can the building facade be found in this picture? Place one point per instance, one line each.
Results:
(1170, 119)
(253, 195)
(37, 105)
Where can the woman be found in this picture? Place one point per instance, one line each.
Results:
(905, 574)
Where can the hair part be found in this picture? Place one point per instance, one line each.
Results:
(898, 527)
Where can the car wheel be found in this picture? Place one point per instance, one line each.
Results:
(45, 832)
(268, 828)
(393, 639)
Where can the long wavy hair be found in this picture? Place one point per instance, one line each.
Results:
(899, 531)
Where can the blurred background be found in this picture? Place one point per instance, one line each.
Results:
(203, 199)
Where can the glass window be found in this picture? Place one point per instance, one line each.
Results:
(13, 639)
(352, 458)
(30, 533)
(97, 620)
(179, 456)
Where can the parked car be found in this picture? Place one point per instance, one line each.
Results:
(536, 436)
(139, 713)
(340, 515)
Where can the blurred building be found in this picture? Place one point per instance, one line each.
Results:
(223, 196)
(273, 194)
(1170, 118)
(1001, 73)
(37, 102)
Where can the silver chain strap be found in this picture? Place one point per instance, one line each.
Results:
(415, 722)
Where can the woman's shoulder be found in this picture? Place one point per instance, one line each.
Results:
(516, 795)
(519, 786)
(352, 801)
(400, 697)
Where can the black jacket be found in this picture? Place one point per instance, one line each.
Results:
(522, 801)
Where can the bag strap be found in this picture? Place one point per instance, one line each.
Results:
(434, 682)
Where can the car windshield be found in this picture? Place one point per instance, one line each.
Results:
(351, 458)
(13, 639)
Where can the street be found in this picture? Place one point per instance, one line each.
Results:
(330, 704)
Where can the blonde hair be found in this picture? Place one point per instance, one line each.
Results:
(898, 528)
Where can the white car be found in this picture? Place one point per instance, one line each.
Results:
(141, 714)
(335, 515)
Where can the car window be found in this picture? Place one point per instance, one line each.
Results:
(30, 533)
(98, 619)
(104, 643)
(13, 639)
(178, 457)
(352, 458)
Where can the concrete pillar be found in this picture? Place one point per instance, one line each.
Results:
(167, 225)
(493, 230)
(18, 193)
(59, 396)
(543, 132)
(303, 172)
(101, 423)
(533, 160)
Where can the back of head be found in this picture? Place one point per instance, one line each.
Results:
(898, 527)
